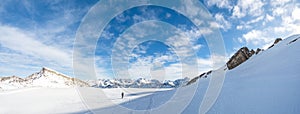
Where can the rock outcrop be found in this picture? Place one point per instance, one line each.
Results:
(203, 75)
(293, 41)
(275, 42)
(244, 54)
(239, 57)
(258, 50)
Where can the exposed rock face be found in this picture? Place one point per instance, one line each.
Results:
(239, 57)
(252, 52)
(293, 41)
(258, 50)
(275, 42)
(193, 80)
(200, 76)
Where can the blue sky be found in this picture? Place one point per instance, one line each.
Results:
(38, 33)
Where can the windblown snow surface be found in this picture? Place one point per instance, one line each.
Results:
(267, 83)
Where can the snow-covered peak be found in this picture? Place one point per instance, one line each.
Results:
(46, 77)
(51, 78)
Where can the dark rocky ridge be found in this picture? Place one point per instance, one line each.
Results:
(239, 57)
(275, 42)
(205, 74)
(242, 55)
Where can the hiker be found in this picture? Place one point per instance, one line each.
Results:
(122, 94)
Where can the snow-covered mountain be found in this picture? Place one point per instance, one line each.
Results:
(44, 78)
(12, 82)
(138, 83)
(53, 79)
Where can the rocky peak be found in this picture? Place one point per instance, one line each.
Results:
(275, 42)
(239, 57)
(244, 54)
(258, 50)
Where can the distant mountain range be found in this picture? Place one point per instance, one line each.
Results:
(53, 79)
(138, 83)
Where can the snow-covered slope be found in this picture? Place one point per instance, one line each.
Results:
(267, 83)
(40, 101)
(45, 78)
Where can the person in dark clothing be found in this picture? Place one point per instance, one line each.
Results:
(122, 94)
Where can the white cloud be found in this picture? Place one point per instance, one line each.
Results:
(181, 42)
(279, 3)
(240, 40)
(279, 29)
(197, 47)
(184, 42)
(248, 7)
(255, 37)
(153, 66)
(46, 39)
(147, 14)
(145, 68)
(122, 17)
(26, 43)
(102, 68)
(221, 22)
(259, 18)
(12, 62)
(281, 19)
(264, 37)
(193, 10)
(269, 18)
(22, 52)
(237, 12)
(296, 14)
(278, 11)
(239, 27)
(220, 3)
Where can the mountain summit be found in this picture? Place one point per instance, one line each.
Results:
(44, 78)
